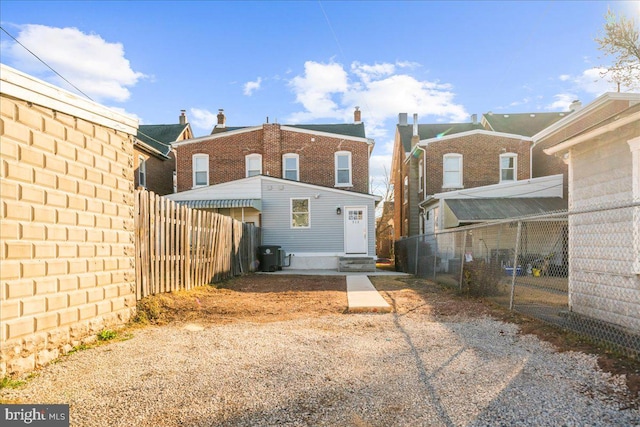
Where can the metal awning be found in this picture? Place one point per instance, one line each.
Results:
(459, 211)
(222, 204)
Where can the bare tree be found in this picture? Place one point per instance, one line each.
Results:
(621, 40)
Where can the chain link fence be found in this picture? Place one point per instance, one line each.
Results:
(578, 270)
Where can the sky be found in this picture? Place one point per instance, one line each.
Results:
(297, 62)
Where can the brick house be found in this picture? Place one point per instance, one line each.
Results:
(438, 158)
(328, 155)
(154, 162)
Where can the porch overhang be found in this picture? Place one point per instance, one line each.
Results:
(222, 204)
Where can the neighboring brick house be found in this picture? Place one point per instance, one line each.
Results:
(154, 162)
(436, 158)
(329, 155)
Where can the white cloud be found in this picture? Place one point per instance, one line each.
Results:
(316, 88)
(327, 91)
(592, 82)
(251, 87)
(202, 119)
(97, 67)
(562, 102)
(379, 173)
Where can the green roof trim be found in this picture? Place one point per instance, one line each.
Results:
(346, 129)
(436, 130)
(525, 124)
(160, 137)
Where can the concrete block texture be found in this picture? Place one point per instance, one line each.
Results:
(67, 186)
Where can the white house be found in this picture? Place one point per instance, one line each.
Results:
(316, 225)
(601, 145)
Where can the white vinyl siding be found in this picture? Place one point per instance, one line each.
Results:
(343, 169)
(200, 163)
(253, 164)
(300, 213)
(508, 167)
(291, 167)
(452, 171)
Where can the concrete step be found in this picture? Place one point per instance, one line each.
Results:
(365, 264)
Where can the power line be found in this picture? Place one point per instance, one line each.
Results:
(47, 65)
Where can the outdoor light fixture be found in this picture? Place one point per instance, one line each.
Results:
(338, 210)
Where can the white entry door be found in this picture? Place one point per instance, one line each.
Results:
(355, 230)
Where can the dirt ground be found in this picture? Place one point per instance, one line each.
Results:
(269, 298)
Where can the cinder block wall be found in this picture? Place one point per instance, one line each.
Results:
(66, 222)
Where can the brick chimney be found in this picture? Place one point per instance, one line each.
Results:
(183, 117)
(221, 119)
(357, 116)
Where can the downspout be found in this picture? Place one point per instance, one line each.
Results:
(531, 160)
(424, 182)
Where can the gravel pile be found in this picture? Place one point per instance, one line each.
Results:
(338, 370)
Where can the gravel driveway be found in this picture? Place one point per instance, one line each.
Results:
(334, 370)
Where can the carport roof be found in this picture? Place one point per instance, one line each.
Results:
(225, 203)
(477, 210)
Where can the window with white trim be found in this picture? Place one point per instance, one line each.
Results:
(142, 172)
(300, 213)
(452, 171)
(253, 164)
(200, 165)
(343, 168)
(290, 167)
(508, 167)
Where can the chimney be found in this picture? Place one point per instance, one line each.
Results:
(402, 119)
(221, 119)
(575, 105)
(183, 117)
(357, 116)
(474, 119)
(415, 124)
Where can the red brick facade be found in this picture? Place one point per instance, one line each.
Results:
(316, 151)
(159, 172)
(480, 159)
(480, 166)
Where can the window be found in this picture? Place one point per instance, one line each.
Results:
(421, 174)
(290, 169)
(253, 164)
(405, 190)
(508, 167)
(142, 172)
(343, 168)
(300, 213)
(452, 171)
(200, 170)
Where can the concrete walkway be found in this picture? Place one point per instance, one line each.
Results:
(363, 297)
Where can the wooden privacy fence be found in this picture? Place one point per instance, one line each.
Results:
(179, 248)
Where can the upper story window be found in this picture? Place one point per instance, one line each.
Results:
(452, 171)
(300, 213)
(200, 166)
(421, 174)
(343, 168)
(508, 167)
(253, 164)
(142, 172)
(290, 167)
(405, 190)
